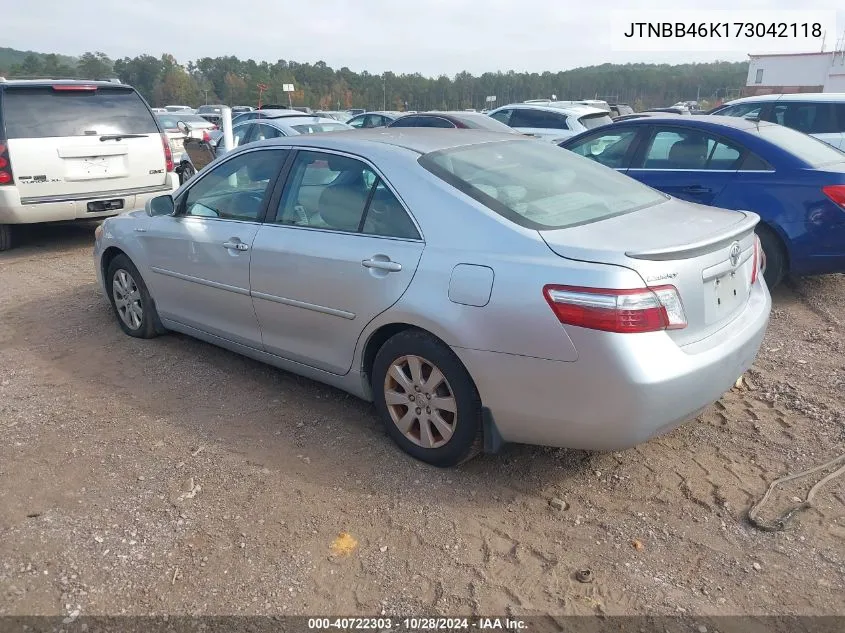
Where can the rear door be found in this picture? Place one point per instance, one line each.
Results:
(71, 140)
(686, 163)
(337, 250)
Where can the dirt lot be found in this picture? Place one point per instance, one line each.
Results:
(169, 476)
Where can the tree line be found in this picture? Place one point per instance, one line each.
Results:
(232, 81)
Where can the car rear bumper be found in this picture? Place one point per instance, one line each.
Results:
(15, 210)
(622, 391)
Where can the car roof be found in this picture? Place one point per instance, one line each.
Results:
(578, 110)
(289, 120)
(706, 121)
(800, 96)
(38, 83)
(419, 140)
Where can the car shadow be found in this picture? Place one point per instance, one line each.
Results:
(273, 418)
(52, 237)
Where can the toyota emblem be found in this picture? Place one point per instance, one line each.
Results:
(736, 252)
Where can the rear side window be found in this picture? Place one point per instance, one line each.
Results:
(314, 128)
(422, 121)
(45, 113)
(591, 121)
(538, 119)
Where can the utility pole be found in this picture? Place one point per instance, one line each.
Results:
(206, 96)
(384, 92)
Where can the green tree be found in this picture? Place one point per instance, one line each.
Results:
(95, 66)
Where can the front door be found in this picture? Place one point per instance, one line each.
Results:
(339, 250)
(201, 255)
(686, 163)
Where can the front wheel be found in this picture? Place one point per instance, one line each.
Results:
(427, 400)
(132, 303)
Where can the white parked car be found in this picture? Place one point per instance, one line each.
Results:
(820, 114)
(550, 121)
(72, 150)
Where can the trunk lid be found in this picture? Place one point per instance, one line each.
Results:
(706, 253)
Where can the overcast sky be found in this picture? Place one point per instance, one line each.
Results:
(427, 36)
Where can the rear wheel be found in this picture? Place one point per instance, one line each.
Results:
(774, 256)
(427, 400)
(132, 303)
(5, 237)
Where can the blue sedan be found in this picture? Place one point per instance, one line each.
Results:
(793, 181)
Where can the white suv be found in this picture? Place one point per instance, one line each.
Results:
(820, 114)
(550, 121)
(72, 150)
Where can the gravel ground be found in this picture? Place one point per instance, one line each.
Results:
(170, 476)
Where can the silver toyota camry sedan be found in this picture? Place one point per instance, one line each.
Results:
(479, 288)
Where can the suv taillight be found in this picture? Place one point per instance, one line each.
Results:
(6, 177)
(168, 153)
(836, 193)
(623, 311)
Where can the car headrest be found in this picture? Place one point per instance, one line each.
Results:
(690, 152)
(262, 166)
(341, 207)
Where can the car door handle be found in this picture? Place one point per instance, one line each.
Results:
(381, 264)
(238, 246)
(696, 189)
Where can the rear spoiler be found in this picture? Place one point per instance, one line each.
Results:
(694, 249)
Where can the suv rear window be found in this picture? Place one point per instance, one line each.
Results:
(42, 112)
(591, 121)
(538, 186)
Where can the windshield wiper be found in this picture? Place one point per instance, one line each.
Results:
(120, 137)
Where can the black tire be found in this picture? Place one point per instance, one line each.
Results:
(148, 324)
(466, 428)
(775, 256)
(5, 237)
(187, 172)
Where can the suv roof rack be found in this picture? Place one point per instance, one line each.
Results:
(113, 80)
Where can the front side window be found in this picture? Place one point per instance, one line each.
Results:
(609, 148)
(749, 110)
(264, 131)
(357, 121)
(810, 118)
(690, 149)
(327, 191)
(235, 189)
(502, 116)
(240, 134)
(538, 186)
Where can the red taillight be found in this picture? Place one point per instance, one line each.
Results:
(74, 87)
(836, 193)
(206, 137)
(623, 311)
(168, 153)
(5, 165)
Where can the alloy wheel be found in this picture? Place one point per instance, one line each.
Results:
(420, 401)
(127, 299)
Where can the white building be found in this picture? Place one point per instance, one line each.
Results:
(795, 72)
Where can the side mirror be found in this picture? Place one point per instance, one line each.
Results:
(160, 205)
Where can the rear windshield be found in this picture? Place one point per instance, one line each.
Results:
(313, 128)
(538, 186)
(811, 150)
(591, 121)
(45, 113)
(171, 121)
